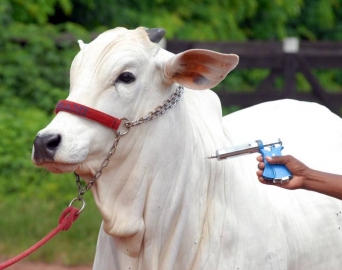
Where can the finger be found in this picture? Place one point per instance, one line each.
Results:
(259, 173)
(277, 159)
(261, 165)
(269, 159)
(262, 180)
(259, 158)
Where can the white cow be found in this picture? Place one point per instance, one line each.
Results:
(163, 205)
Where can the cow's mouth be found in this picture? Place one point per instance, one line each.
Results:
(49, 153)
(59, 168)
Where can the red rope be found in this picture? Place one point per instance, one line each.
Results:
(68, 216)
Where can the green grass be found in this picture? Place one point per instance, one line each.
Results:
(26, 220)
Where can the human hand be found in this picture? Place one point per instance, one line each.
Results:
(296, 167)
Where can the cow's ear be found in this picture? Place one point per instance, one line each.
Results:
(200, 69)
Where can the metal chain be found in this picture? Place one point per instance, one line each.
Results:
(160, 110)
(84, 189)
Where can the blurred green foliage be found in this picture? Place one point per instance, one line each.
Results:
(32, 199)
(33, 68)
(215, 19)
(37, 44)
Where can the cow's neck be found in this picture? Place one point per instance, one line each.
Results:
(158, 180)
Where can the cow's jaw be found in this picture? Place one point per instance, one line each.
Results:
(59, 168)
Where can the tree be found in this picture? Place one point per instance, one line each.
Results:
(32, 67)
(234, 20)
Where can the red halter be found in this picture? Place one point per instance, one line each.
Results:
(92, 114)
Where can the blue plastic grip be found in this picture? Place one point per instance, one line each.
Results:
(273, 172)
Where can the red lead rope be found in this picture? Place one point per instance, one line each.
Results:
(68, 216)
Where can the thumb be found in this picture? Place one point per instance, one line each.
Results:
(277, 159)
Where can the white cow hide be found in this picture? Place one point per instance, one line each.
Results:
(166, 207)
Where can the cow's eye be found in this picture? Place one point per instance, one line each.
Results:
(126, 77)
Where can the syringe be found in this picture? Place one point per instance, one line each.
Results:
(239, 150)
(276, 173)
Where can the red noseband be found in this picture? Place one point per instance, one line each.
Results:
(92, 114)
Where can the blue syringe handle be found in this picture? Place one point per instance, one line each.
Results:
(273, 172)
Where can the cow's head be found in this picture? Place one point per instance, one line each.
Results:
(122, 73)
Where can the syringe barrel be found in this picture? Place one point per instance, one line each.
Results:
(239, 150)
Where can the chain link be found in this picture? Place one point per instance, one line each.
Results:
(84, 189)
(160, 110)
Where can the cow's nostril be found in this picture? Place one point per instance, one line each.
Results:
(45, 147)
(53, 142)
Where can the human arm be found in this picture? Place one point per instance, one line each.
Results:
(305, 177)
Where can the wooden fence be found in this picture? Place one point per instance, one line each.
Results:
(281, 61)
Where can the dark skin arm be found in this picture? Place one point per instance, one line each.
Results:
(305, 177)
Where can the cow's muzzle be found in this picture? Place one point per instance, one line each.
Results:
(45, 147)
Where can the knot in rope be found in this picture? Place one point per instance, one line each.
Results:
(68, 216)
